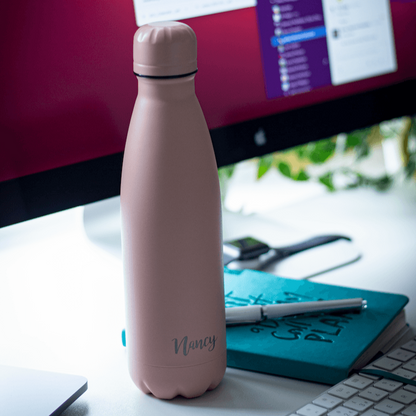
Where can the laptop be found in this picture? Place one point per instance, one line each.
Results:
(26, 392)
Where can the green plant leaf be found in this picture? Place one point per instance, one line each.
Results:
(284, 169)
(263, 165)
(410, 168)
(363, 150)
(327, 180)
(227, 171)
(301, 151)
(301, 176)
(383, 183)
(412, 130)
(353, 140)
(321, 151)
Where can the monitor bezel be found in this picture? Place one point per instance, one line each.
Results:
(46, 192)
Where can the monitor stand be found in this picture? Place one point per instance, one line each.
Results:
(103, 227)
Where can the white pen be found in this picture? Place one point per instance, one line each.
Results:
(257, 313)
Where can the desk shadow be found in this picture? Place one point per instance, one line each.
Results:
(78, 408)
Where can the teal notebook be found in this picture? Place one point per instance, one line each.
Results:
(321, 348)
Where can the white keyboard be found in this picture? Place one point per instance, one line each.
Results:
(385, 387)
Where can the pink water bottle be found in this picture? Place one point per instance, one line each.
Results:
(171, 224)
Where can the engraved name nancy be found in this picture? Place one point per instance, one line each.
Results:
(185, 347)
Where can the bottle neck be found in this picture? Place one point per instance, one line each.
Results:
(167, 88)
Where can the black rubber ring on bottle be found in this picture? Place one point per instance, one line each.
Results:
(166, 76)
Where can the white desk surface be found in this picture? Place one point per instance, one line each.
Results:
(61, 300)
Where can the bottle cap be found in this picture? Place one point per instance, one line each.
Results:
(164, 49)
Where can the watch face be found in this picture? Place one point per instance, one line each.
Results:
(249, 247)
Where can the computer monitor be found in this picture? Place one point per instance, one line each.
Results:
(273, 74)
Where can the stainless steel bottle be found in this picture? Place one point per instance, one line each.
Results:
(171, 224)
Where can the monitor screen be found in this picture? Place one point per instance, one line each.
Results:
(272, 74)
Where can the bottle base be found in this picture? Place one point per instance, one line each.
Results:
(169, 382)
